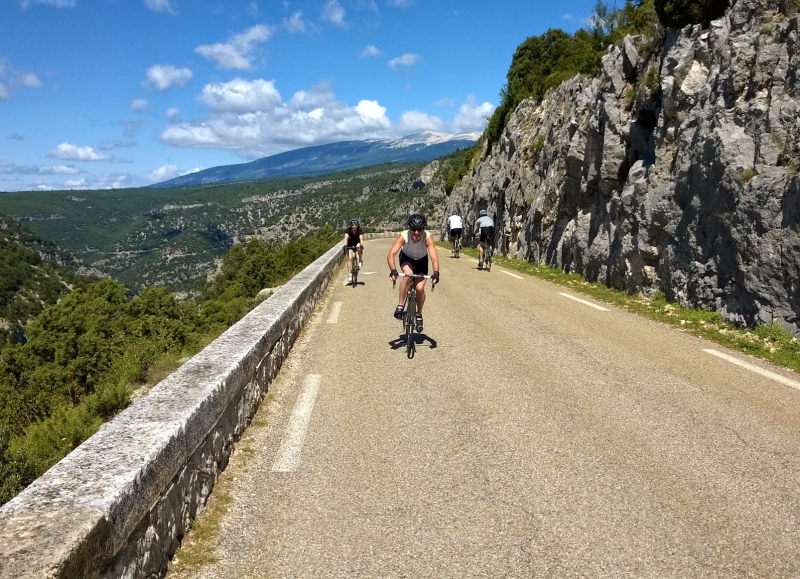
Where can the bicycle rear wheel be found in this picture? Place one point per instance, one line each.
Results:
(487, 263)
(354, 269)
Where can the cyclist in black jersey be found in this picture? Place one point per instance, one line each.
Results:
(354, 238)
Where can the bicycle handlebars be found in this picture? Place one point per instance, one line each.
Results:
(414, 275)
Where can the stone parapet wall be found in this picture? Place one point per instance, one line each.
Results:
(119, 504)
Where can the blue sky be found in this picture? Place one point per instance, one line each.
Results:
(96, 94)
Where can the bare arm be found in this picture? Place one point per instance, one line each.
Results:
(390, 259)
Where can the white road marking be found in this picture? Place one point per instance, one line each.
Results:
(512, 274)
(584, 302)
(756, 369)
(473, 260)
(367, 273)
(336, 309)
(289, 453)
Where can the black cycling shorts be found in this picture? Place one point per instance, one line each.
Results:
(487, 233)
(418, 266)
(454, 233)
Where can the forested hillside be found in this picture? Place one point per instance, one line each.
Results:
(34, 273)
(173, 237)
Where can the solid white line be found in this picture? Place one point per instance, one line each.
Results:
(289, 454)
(512, 274)
(336, 309)
(584, 302)
(473, 260)
(756, 369)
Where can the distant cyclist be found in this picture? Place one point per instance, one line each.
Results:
(414, 245)
(455, 227)
(354, 240)
(484, 225)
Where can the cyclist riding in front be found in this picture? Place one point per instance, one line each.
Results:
(485, 225)
(455, 226)
(414, 245)
(354, 240)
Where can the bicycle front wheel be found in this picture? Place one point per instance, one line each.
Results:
(411, 313)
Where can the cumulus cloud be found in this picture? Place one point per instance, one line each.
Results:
(333, 12)
(371, 51)
(172, 114)
(139, 105)
(164, 76)
(161, 6)
(472, 116)
(56, 3)
(241, 95)
(251, 117)
(70, 152)
(163, 173)
(239, 51)
(408, 59)
(415, 121)
(13, 79)
(295, 23)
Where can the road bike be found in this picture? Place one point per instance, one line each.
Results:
(353, 265)
(487, 257)
(456, 248)
(410, 311)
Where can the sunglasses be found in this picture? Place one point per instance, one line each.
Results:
(416, 230)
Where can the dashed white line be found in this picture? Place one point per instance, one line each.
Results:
(756, 369)
(289, 453)
(584, 302)
(512, 274)
(336, 309)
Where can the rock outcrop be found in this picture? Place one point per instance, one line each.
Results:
(674, 170)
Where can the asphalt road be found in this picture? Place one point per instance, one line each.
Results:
(532, 435)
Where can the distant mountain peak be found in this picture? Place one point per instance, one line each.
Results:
(340, 156)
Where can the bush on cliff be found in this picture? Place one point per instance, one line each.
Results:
(541, 63)
(680, 13)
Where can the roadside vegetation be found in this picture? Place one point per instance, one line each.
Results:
(84, 357)
(768, 342)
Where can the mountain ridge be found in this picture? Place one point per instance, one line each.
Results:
(332, 157)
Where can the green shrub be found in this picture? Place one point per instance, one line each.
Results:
(679, 13)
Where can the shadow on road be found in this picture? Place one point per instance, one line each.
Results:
(419, 339)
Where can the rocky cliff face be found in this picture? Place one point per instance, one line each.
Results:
(674, 170)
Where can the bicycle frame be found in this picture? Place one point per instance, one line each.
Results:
(353, 253)
(410, 312)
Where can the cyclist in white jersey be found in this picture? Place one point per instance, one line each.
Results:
(414, 245)
(455, 226)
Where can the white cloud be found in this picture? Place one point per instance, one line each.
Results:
(163, 173)
(415, 121)
(310, 117)
(172, 114)
(240, 49)
(70, 152)
(59, 170)
(12, 169)
(295, 23)
(164, 76)
(241, 95)
(472, 116)
(371, 51)
(30, 80)
(139, 105)
(408, 59)
(567, 16)
(333, 12)
(56, 3)
(160, 6)
(110, 145)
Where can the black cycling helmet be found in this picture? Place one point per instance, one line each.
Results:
(353, 221)
(482, 213)
(417, 221)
